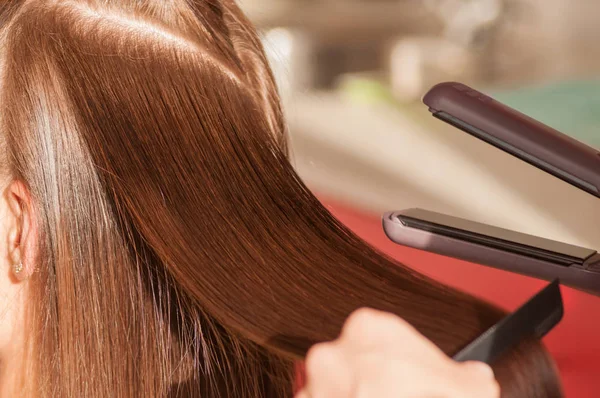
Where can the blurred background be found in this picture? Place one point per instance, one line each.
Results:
(352, 73)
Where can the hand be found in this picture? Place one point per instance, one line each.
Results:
(378, 355)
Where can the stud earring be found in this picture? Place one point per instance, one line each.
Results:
(17, 268)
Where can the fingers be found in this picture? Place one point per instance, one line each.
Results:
(302, 394)
(479, 370)
(380, 355)
(480, 379)
(366, 328)
(366, 322)
(328, 372)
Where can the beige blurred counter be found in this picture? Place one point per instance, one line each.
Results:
(380, 159)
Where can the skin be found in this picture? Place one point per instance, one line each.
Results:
(378, 355)
(17, 245)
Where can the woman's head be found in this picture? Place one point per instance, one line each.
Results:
(167, 244)
(123, 159)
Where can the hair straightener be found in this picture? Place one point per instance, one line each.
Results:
(515, 133)
(531, 141)
(541, 146)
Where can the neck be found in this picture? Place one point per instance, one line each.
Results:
(12, 356)
(8, 375)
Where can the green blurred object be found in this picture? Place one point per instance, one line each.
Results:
(571, 107)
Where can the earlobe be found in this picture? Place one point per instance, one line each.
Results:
(18, 271)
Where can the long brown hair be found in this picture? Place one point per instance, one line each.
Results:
(179, 252)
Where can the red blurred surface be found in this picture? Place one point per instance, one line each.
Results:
(574, 343)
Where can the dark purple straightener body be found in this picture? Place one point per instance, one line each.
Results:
(541, 258)
(543, 147)
(517, 134)
(531, 141)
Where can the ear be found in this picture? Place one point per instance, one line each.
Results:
(22, 236)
